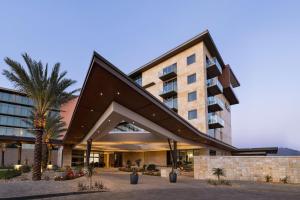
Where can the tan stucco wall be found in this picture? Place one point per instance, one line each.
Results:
(65, 156)
(149, 157)
(253, 168)
(11, 156)
(183, 70)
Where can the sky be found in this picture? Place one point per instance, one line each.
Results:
(259, 39)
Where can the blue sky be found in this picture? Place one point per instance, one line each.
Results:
(259, 39)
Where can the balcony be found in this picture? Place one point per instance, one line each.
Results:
(215, 104)
(230, 95)
(214, 87)
(169, 90)
(172, 104)
(213, 68)
(215, 121)
(168, 72)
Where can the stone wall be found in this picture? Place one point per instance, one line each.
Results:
(253, 168)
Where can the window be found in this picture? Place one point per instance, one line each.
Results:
(138, 80)
(191, 59)
(192, 96)
(212, 152)
(192, 114)
(191, 78)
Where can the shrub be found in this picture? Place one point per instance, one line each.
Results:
(82, 187)
(8, 174)
(268, 178)
(218, 172)
(138, 162)
(152, 173)
(218, 182)
(25, 169)
(284, 180)
(99, 186)
(151, 167)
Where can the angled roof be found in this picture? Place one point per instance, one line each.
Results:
(104, 84)
(204, 36)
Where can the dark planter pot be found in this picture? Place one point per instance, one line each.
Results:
(134, 178)
(173, 177)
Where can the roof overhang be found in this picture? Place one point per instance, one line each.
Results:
(202, 37)
(263, 151)
(105, 84)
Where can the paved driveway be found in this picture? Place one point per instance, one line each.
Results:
(153, 188)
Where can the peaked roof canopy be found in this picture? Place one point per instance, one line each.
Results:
(105, 84)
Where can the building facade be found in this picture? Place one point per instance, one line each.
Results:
(15, 136)
(179, 102)
(191, 81)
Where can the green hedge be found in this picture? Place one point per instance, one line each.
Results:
(8, 174)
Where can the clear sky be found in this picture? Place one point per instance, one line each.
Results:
(259, 39)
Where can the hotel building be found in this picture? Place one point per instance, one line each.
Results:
(182, 99)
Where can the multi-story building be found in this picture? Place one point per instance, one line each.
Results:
(15, 135)
(182, 99)
(193, 80)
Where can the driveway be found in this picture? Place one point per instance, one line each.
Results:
(153, 188)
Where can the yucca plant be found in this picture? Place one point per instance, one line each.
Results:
(46, 90)
(218, 172)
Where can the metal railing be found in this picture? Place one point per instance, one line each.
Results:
(213, 118)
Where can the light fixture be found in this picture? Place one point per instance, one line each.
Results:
(92, 110)
(153, 114)
(132, 122)
(178, 130)
(118, 93)
(101, 94)
(50, 166)
(109, 120)
(17, 167)
(82, 126)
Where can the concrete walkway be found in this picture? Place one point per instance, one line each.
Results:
(153, 188)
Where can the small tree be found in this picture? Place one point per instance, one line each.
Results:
(218, 172)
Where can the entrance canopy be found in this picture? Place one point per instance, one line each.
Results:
(109, 97)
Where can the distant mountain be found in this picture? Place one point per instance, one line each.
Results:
(287, 152)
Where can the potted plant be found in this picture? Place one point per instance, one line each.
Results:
(173, 176)
(134, 177)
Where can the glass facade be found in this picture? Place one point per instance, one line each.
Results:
(138, 79)
(14, 110)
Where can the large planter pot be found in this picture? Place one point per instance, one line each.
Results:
(173, 177)
(134, 178)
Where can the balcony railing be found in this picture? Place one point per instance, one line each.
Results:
(213, 68)
(169, 90)
(215, 104)
(168, 72)
(215, 121)
(172, 104)
(214, 86)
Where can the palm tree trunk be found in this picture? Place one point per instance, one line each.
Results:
(49, 155)
(44, 156)
(36, 172)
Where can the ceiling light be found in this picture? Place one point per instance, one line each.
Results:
(118, 93)
(101, 94)
(132, 122)
(82, 126)
(92, 110)
(153, 114)
(178, 130)
(109, 120)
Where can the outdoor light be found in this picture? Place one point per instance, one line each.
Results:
(49, 166)
(109, 120)
(17, 167)
(82, 126)
(101, 94)
(118, 93)
(153, 114)
(92, 110)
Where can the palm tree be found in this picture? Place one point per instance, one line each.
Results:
(47, 91)
(3, 148)
(53, 128)
(218, 172)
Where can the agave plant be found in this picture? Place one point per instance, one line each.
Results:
(218, 172)
(46, 90)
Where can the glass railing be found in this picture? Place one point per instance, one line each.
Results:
(214, 81)
(168, 70)
(213, 118)
(213, 61)
(169, 88)
(172, 104)
(215, 100)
